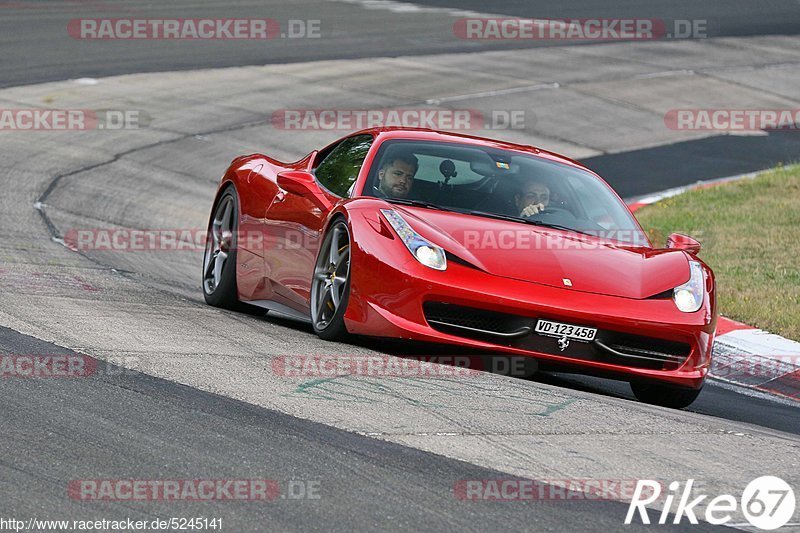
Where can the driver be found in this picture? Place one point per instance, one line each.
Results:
(396, 175)
(532, 199)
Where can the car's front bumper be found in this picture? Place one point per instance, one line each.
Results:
(388, 301)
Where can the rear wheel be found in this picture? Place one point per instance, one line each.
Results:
(219, 261)
(664, 395)
(330, 287)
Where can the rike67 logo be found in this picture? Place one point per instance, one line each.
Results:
(768, 502)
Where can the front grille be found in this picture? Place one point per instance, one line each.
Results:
(646, 347)
(504, 329)
(441, 315)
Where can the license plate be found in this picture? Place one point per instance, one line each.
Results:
(571, 331)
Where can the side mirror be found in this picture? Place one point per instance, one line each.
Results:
(303, 184)
(298, 182)
(678, 241)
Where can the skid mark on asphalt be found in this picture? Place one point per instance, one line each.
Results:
(346, 389)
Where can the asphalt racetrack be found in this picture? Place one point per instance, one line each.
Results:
(185, 391)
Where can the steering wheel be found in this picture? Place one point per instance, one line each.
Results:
(552, 210)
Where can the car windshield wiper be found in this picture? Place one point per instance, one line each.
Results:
(421, 203)
(527, 221)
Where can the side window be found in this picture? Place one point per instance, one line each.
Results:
(338, 171)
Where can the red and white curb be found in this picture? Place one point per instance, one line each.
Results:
(744, 355)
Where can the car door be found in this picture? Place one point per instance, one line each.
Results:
(296, 222)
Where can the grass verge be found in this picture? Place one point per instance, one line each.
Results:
(750, 231)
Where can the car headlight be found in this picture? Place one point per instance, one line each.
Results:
(424, 251)
(689, 296)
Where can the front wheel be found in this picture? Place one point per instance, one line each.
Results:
(330, 287)
(664, 395)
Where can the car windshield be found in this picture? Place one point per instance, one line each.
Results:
(496, 183)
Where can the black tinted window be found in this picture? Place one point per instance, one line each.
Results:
(339, 169)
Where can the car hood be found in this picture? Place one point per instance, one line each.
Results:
(551, 257)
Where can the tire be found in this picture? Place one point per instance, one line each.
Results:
(330, 285)
(664, 395)
(219, 259)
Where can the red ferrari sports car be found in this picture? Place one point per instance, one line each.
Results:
(445, 238)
